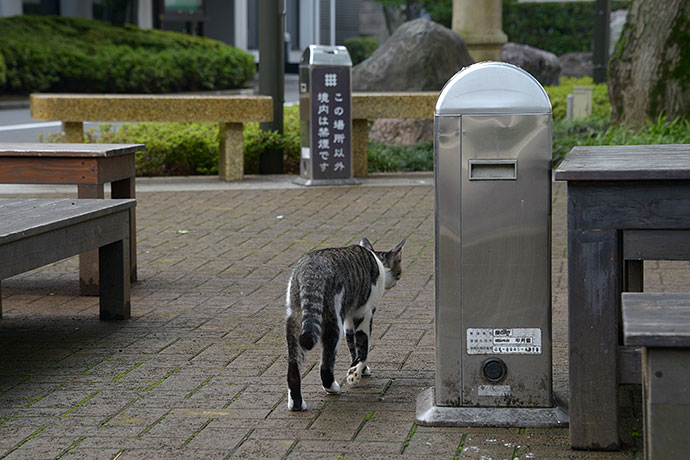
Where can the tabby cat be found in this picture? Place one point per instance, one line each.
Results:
(332, 289)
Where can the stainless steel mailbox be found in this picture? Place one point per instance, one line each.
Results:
(492, 150)
(325, 99)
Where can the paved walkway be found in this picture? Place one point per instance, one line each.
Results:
(199, 370)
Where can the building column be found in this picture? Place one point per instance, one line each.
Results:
(11, 8)
(145, 14)
(480, 24)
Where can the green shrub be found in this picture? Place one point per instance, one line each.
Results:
(50, 53)
(392, 157)
(557, 27)
(256, 142)
(172, 149)
(558, 95)
(599, 131)
(361, 48)
(3, 73)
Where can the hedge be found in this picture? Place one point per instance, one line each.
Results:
(3, 71)
(557, 27)
(51, 53)
(360, 48)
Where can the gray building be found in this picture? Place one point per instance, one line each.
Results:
(234, 22)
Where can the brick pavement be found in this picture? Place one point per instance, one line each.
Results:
(199, 370)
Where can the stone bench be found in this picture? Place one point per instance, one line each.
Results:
(660, 324)
(36, 232)
(231, 112)
(370, 106)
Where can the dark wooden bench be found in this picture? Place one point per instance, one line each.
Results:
(36, 232)
(626, 204)
(660, 324)
(89, 167)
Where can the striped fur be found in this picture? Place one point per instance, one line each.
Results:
(331, 290)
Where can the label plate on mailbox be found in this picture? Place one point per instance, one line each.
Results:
(503, 341)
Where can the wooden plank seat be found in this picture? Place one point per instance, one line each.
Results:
(89, 167)
(35, 232)
(660, 324)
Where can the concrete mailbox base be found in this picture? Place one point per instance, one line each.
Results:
(429, 414)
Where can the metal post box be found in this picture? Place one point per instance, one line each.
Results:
(325, 95)
(492, 148)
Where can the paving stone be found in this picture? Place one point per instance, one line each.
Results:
(200, 369)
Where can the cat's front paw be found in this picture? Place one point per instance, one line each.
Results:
(291, 404)
(354, 375)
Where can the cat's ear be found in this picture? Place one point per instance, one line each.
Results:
(398, 248)
(366, 244)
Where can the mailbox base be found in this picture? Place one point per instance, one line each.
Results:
(429, 414)
(315, 182)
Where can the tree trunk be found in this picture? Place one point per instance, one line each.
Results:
(649, 72)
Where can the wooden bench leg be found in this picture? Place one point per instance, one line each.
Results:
(114, 284)
(360, 147)
(125, 189)
(231, 151)
(88, 261)
(666, 402)
(594, 284)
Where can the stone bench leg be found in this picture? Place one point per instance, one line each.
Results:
(360, 147)
(231, 151)
(114, 284)
(74, 131)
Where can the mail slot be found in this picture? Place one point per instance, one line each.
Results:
(493, 169)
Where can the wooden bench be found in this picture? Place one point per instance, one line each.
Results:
(626, 204)
(229, 111)
(36, 232)
(660, 324)
(89, 167)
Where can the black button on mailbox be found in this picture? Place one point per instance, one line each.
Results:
(494, 369)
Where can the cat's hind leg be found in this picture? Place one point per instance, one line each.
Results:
(330, 341)
(295, 356)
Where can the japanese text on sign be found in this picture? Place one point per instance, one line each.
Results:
(331, 123)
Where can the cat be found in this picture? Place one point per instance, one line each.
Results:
(331, 289)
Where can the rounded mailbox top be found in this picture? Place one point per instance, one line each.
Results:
(326, 55)
(492, 88)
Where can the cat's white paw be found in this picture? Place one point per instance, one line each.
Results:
(354, 375)
(366, 372)
(334, 388)
(291, 404)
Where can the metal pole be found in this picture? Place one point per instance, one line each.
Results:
(271, 72)
(332, 23)
(600, 53)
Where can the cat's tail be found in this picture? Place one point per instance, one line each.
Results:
(311, 297)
